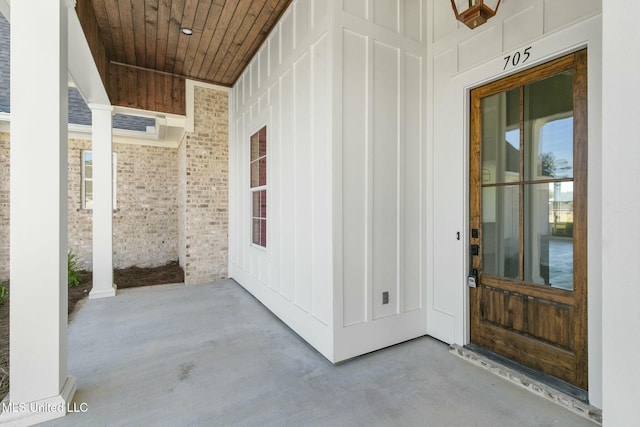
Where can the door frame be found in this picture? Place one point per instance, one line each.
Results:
(475, 78)
(571, 362)
(585, 34)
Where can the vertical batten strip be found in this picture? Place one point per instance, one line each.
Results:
(401, 187)
(369, 136)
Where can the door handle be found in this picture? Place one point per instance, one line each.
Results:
(472, 280)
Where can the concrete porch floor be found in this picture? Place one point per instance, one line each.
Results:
(212, 355)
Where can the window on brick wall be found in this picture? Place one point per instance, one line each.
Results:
(87, 179)
(258, 187)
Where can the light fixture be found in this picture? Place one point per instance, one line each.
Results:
(186, 31)
(476, 13)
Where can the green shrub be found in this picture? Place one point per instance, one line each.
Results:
(73, 273)
(4, 293)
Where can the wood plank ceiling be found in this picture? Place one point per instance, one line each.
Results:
(146, 34)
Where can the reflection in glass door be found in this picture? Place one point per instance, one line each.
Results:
(527, 182)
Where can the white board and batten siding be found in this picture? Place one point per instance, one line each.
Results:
(459, 60)
(342, 93)
(381, 176)
(286, 87)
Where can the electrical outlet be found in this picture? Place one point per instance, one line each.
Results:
(385, 297)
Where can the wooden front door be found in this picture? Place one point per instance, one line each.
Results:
(528, 217)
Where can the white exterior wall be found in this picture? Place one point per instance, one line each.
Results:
(620, 207)
(380, 188)
(460, 59)
(343, 100)
(287, 87)
(366, 104)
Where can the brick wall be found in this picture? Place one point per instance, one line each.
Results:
(145, 224)
(79, 225)
(204, 169)
(146, 221)
(171, 203)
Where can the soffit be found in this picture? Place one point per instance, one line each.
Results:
(227, 34)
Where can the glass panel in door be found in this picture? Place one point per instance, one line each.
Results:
(548, 243)
(527, 182)
(501, 138)
(548, 156)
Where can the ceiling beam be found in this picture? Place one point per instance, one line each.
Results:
(83, 73)
(82, 67)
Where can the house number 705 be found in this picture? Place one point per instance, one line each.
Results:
(517, 58)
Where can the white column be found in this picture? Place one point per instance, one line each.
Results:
(101, 148)
(620, 212)
(38, 248)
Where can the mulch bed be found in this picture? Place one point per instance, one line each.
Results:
(131, 277)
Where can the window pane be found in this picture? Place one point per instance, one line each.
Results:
(501, 137)
(88, 193)
(263, 204)
(549, 234)
(263, 142)
(255, 147)
(255, 204)
(259, 204)
(263, 233)
(500, 231)
(88, 164)
(548, 110)
(262, 171)
(255, 232)
(255, 174)
(258, 178)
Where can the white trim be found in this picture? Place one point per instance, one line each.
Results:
(124, 136)
(194, 83)
(86, 129)
(166, 142)
(53, 407)
(103, 293)
(152, 132)
(189, 96)
(80, 128)
(174, 120)
(259, 188)
(114, 163)
(150, 142)
(94, 106)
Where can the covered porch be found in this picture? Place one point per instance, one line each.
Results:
(213, 355)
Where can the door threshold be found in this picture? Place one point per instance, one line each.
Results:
(561, 393)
